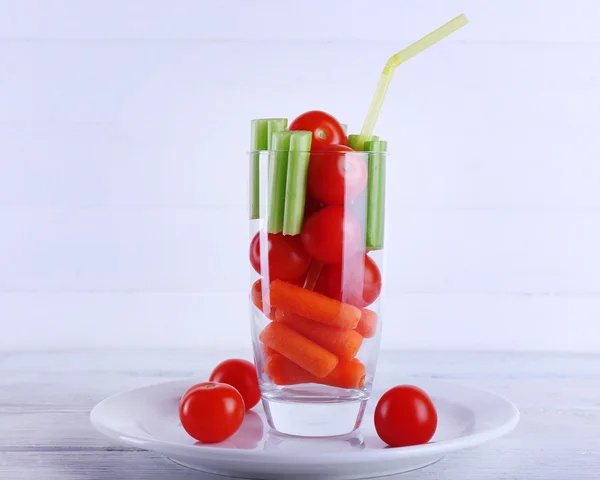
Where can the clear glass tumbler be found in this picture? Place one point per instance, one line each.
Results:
(315, 299)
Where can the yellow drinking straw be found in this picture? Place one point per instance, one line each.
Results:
(395, 60)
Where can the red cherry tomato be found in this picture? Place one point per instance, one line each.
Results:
(405, 416)
(211, 412)
(311, 205)
(190, 390)
(332, 233)
(241, 375)
(360, 285)
(288, 260)
(325, 128)
(336, 176)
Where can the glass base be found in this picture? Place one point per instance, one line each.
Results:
(314, 410)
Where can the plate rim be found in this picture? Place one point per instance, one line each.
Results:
(383, 454)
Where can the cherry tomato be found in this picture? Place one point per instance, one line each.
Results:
(326, 130)
(311, 205)
(360, 285)
(288, 260)
(300, 281)
(190, 390)
(335, 176)
(211, 412)
(241, 375)
(405, 416)
(332, 233)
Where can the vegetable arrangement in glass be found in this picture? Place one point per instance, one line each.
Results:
(317, 208)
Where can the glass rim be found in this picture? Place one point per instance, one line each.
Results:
(254, 152)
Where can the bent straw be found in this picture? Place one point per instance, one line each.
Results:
(397, 59)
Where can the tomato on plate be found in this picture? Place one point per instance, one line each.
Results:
(335, 175)
(288, 259)
(326, 130)
(211, 412)
(332, 233)
(404, 416)
(357, 281)
(241, 375)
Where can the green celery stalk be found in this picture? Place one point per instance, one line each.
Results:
(258, 141)
(345, 127)
(278, 166)
(295, 190)
(375, 193)
(353, 139)
(275, 125)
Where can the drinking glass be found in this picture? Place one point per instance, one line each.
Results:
(315, 299)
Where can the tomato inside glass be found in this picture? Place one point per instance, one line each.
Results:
(336, 175)
(326, 130)
(311, 205)
(288, 260)
(357, 281)
(332, 233)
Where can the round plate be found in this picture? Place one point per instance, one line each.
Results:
(148, 418)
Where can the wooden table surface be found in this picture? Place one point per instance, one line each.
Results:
(45, 400)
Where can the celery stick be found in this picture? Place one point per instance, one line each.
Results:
(258, 141)
(375, 193)
(275, 125)
(353, 139)
(278, 165)
(261, 131)
(345, 127)
(295, 190)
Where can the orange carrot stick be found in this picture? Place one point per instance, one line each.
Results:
(342, 343)
(300, 350)
(267, 351)
(367, 325)
(314, 306)
(266, 354)
(347, 374)
(284, 372)
(257, 298)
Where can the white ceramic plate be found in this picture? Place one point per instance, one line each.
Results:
(148, 418)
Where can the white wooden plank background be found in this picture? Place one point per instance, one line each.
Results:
(45, 399)
(123, 127)
(340, 20)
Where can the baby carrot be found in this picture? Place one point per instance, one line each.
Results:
(284, 372)
(367, 325)
(312, 305)
(257, 298)
(267, 352)
(342, 343)
(347, 374)
(300, 350)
